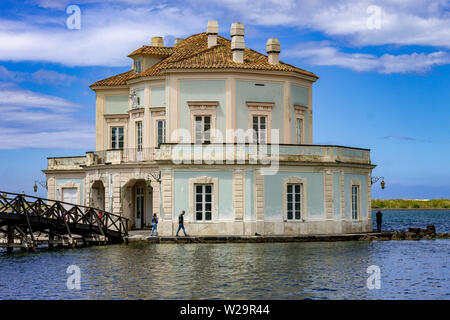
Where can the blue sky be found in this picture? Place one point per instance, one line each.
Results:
(384, 70)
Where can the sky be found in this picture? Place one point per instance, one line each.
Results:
(384, 69)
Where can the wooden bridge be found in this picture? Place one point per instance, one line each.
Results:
(25, 219)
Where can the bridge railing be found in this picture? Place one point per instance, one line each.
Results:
(62, 212)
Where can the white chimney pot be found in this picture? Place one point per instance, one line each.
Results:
(212, 29)
(273, 50)
(237, 29)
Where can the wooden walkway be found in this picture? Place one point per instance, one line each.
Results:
(25, 219)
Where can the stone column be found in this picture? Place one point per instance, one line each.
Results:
(238, 194)
(260, 202)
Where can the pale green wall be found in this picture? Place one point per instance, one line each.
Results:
(271, 92)
(140, 94)
(348, 203)
(116, 104)
(158, 97)
(249, 196)
(299, 96)
(273, 193)
(202, 90)
(337, 196)
(181, 193)
(74, 180)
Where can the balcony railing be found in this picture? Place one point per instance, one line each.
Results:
(116, 156)
(186, 153)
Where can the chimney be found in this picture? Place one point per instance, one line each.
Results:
(237, 41)
(273, 50)
(212, 30)
(178, 41)
(157, 42)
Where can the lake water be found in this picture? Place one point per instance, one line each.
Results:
(317, 270)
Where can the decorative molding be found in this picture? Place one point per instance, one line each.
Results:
(70, 185)
(356, 182)
(298, 180)
(201, 108)
(206, 104)
(215, 198)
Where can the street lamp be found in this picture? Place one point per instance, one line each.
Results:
(42, 183)
(375, 180)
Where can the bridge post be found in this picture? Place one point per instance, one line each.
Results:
(51, 238)
(10, 232)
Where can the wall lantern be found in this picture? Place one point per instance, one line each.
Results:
(375, 179)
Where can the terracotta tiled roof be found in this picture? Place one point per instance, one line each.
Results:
(117, 80)
(193, 53)
(154, 51)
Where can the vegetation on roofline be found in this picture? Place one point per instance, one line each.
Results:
(410, 204)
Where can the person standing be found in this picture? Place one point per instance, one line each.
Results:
(181, 224)
(154, 225)
(379, 220)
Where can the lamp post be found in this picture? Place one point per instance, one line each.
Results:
(375, 180)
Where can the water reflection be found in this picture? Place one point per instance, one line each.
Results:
(320, 270)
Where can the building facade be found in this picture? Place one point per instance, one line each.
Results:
(223, 132)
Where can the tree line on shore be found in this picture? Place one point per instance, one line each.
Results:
(410, 204)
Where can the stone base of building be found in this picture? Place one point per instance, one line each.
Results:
(250, 228)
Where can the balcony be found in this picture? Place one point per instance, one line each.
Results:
(117, 156)
(217, 154)
(262, 154)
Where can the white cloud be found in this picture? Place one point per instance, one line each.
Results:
(41, 76)
(107, 35)
(324, 54)
(418, 22)
(34, 120)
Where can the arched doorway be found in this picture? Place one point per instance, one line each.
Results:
(98, 195)
(138, 203)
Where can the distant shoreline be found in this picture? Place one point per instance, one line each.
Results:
(411, 204)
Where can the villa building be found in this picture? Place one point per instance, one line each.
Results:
(223, 132)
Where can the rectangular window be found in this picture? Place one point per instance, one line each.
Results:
(203, 202)
(294, 201)
(259, 129)
(161, 131)
(137, 66)
(117, 138)
(355, 199)
(298, 130)
(139, 135)
(202, 127)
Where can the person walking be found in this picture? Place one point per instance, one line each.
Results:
(379, 220)
(181, 224)
(154, 225)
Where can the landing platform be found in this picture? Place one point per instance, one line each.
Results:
(144, 235)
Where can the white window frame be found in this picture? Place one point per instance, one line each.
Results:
(203, 201)
(293, 180)
(137, 66)
(139, 136)
(163, 134)
(203, 109)
(215, 198)
(158, 114)
(260, 109)
(295, 207)
(117, 144)
(300, 115)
